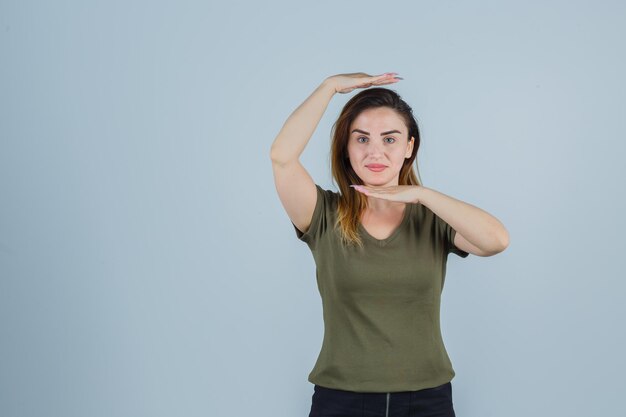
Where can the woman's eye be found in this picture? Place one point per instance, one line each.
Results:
(363, 137)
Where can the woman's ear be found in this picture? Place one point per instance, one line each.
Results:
(409, 149)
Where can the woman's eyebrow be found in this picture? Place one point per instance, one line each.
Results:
(384, 133)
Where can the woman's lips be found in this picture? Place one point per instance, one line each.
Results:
(376, 168)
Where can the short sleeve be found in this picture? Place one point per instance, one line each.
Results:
(451, 246)
(318, 221)
(448, 237)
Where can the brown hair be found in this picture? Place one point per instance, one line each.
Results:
(351, 204)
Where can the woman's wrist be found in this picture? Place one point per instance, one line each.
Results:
(329, 84)
(420, 194)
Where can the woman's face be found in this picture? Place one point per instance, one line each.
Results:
(378, 138)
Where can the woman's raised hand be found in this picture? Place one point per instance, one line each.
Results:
(345, 83)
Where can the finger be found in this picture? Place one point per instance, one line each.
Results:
(382, 77)
(360, 188)
(392, 77)
(388, 81)
(385, 82)
(378, 189)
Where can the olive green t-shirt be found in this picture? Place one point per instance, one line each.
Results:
(381, 303)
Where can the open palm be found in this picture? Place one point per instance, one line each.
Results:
(345, 83)
(401, 193)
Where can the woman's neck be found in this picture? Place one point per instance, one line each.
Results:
(378, 205)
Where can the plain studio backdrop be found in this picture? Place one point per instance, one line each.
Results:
(148, 268)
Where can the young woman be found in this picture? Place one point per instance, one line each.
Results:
(380, 246)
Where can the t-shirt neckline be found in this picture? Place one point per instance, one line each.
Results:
(397, 230)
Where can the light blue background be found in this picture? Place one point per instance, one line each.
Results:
(148, 268)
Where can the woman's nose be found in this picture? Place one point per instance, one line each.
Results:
(375, 149)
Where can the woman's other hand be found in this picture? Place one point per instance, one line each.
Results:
(345, 83)
(400, 193)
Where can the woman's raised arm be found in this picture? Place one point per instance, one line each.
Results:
(295, 187)
(300, 125)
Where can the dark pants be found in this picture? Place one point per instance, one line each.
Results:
(429, 402)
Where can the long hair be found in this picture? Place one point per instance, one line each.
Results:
(352, 204)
